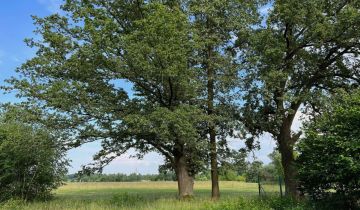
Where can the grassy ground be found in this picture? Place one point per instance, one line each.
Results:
(144, 195)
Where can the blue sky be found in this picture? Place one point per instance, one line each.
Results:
(16, 25)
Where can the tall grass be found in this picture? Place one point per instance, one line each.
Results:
(151, 195)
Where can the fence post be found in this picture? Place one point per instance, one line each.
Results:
(281, 194)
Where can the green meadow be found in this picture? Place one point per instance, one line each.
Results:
(154, 195)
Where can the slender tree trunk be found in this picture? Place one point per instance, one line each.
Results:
(185, 181)
(286, 147)
(215, 191)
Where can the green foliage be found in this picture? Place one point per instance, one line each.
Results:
(228, 175)
(178, 56)
(203, 176)
(233, 160)
(126, 200)
(169, 126)
(12, 204)
(275, 157)
(87, 59)
(31, 160)
(254, 171)
(329, 161)
(305, 50)
(259, 204)
(284, 203)
(186, 61)
(235, 167)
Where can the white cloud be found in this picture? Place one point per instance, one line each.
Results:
(53, 6)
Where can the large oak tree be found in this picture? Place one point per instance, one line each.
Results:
(306, 49)
(82, 61)
(179, 57)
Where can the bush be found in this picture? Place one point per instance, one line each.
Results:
(31, 163)
(203, 176)
(329, 161)
(228, 175)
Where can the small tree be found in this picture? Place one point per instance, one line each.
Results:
(31, 162)
(329, 161)
(253, 171)
(234, 161)
(275, 157)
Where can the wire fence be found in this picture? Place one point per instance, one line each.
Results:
(270, 186)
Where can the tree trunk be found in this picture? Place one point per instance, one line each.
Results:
(185, 181)
(215, 191)
(286, 147)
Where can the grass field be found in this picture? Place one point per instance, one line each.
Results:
(141, 195)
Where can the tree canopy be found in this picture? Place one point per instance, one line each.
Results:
(305, 50)
(200, 71)
(179, 58)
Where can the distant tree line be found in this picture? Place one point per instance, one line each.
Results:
(240, 170)
(119, 177)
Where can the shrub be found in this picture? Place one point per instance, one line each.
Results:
(31, 163)
(228, 175)
(329, 161)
